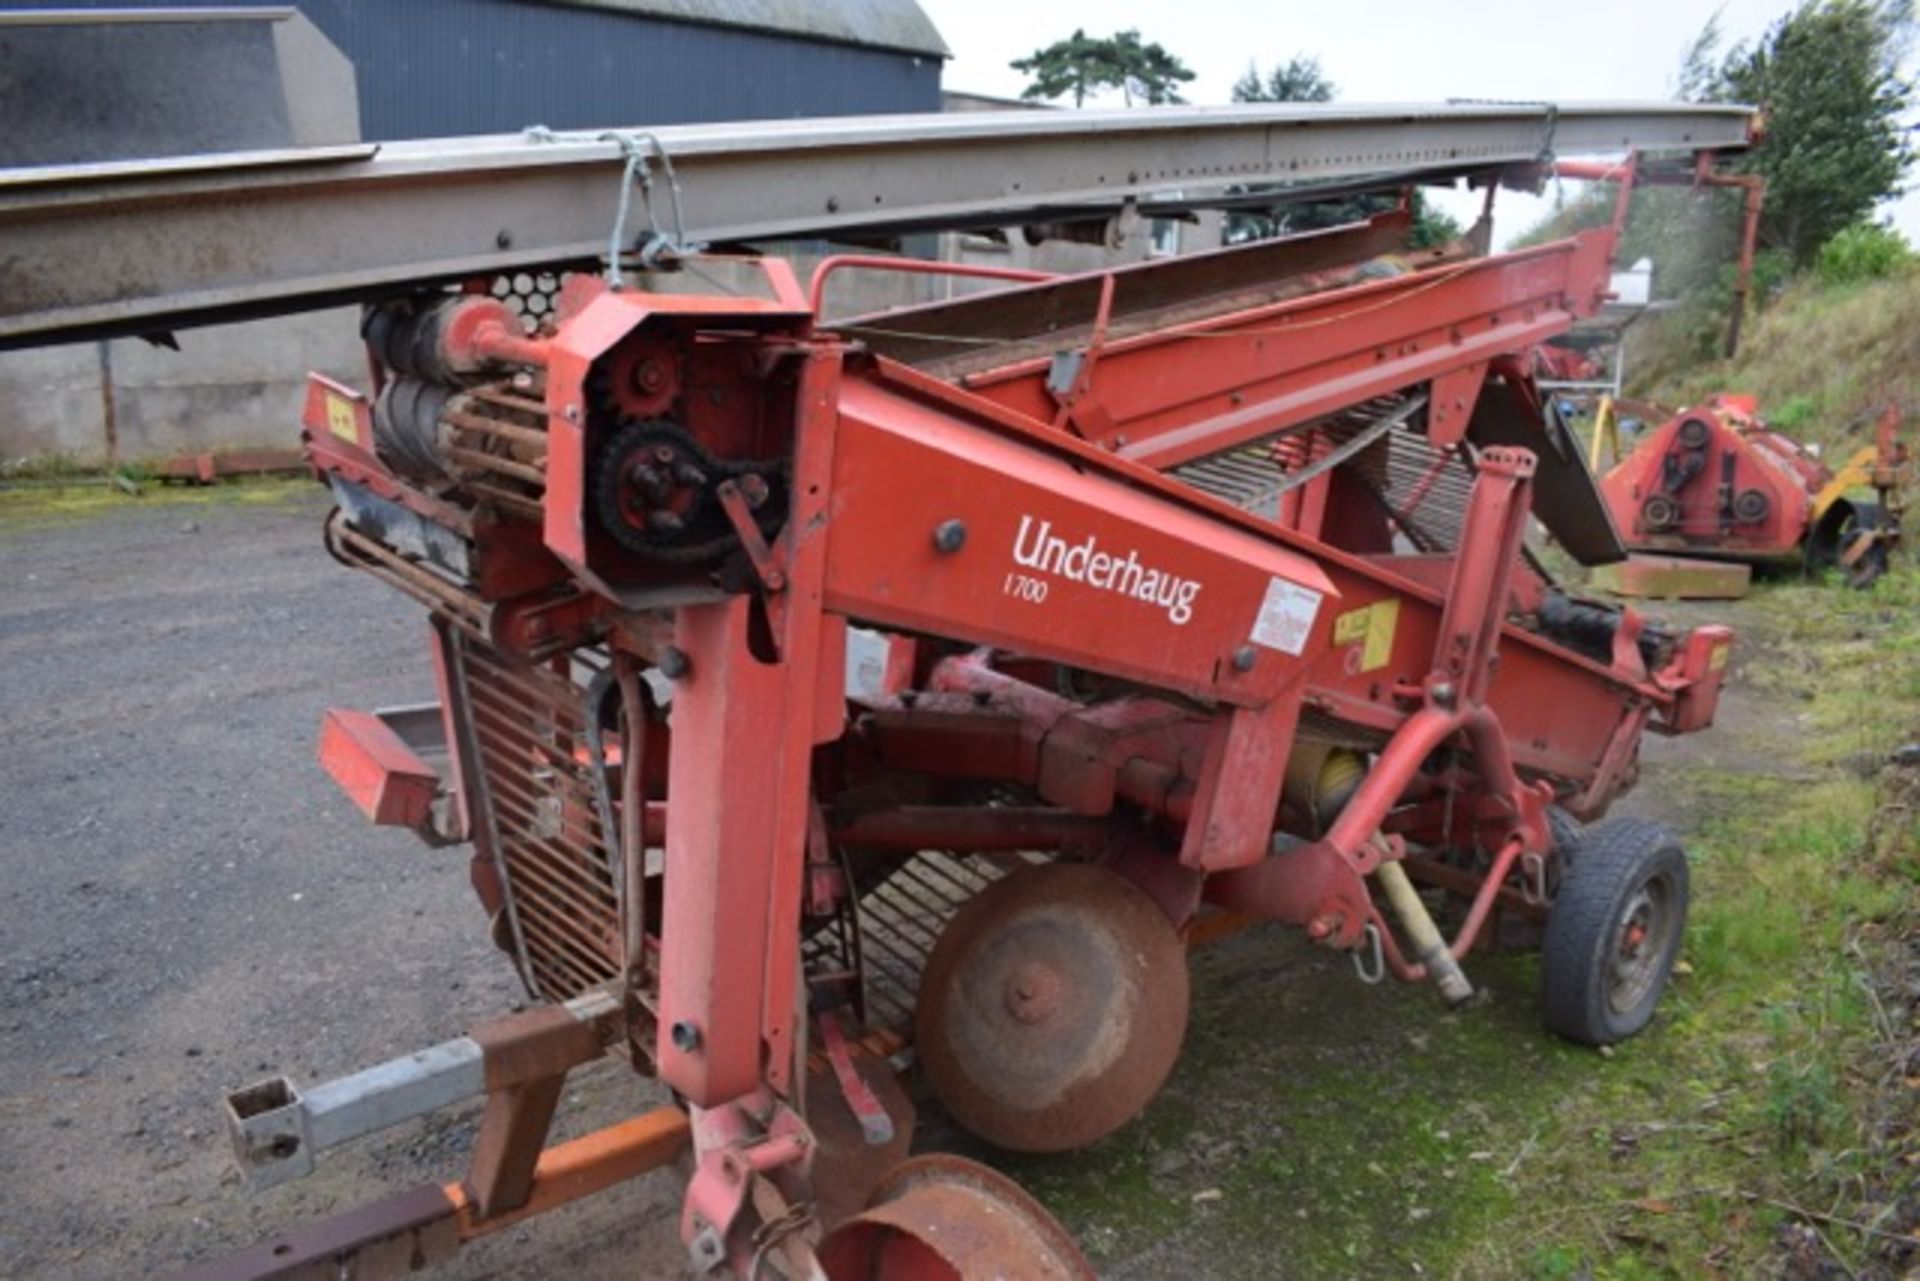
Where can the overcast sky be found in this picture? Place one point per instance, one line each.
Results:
(1381, 51)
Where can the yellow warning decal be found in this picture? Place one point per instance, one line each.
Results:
(341, 420)
(1720, 655)
(1372, 627)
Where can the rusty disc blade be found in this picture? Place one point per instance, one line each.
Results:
(1052, 1008)
(945, 1218)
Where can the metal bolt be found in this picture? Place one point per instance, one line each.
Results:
(689, 475)
(674, 663)
(1443, 693)
(950, 536)
(1243, 658)
(652, 480)
(686, 1037)
(665, 522)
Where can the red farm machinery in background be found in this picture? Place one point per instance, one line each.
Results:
(1716, 482)
(816, 697)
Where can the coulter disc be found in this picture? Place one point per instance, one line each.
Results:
(1052, 1008)
(945, 1218)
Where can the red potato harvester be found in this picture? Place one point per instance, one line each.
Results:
(1232, 613)
(811, 692)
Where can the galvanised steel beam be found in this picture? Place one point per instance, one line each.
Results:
(140, 247)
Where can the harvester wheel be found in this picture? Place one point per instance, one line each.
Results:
(945, 1218)
(1566, 832)
(1052, 1008)
(1614, 932)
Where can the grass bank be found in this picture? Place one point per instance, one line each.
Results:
(1823, 359)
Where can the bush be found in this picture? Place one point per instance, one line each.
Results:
(1791, 414)
(1862, 252)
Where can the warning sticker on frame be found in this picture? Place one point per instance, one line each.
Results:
(341, 419)
(1371, 627)
(1286, 616)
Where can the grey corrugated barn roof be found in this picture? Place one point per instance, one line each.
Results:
(881, 24)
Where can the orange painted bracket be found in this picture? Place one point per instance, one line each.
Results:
(586, 1165)
(376, 769)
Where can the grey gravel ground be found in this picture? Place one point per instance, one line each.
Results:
(190, 904)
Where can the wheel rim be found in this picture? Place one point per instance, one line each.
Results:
(945, 1218)
(1642, 939)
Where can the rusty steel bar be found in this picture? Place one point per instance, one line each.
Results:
(817, 288)
(936, 827)
(428, 1225)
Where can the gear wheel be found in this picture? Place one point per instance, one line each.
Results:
(1750, 506)
(1660, 512)
(653, 491)
(640, 379)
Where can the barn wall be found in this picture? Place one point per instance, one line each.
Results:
(433, 68)
(428, 68)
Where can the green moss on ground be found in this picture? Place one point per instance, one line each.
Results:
(50, 500)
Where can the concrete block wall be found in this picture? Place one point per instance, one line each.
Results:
(242, 386)
(227, 386)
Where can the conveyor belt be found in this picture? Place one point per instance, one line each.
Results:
(139, 247)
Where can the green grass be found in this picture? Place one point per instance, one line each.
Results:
(1823, 359)
(84, 496)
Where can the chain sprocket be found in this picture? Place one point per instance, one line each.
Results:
(653, 490)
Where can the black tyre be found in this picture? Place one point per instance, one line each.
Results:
(1843, 523)
(1614, 931)
(1567, 831)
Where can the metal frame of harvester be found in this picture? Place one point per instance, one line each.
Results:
(807, 692)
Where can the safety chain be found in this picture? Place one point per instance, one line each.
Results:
(659, 247)
(769, 1236)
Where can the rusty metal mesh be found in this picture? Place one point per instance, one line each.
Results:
(899, 918)
(1424, 489)
(540, 811)
(529, 729)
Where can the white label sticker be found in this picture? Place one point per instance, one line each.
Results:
(866, 665)
(1286, 616)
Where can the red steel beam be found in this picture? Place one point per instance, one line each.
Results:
(1189, 390)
